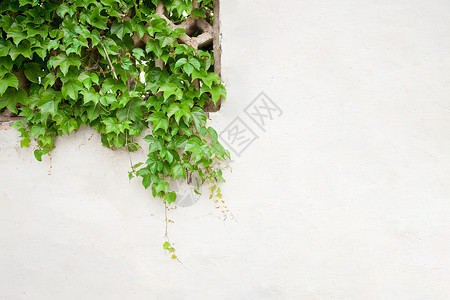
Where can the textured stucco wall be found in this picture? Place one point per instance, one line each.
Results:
(346, 195)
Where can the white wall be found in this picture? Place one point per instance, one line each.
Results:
(344, 196)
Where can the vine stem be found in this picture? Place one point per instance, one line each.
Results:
(166, 232)
(109, 60)
(126, 136)
(165, 221)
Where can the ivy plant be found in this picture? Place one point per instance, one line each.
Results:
(118, 66)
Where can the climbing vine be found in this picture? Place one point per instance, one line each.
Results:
(118, 66)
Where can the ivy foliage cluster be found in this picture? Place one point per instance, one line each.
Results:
(67, 63)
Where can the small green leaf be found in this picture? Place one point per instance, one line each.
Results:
(216, 91)
(120, 29)
(188, 68)
(166, 246)
(49, 80)
(146, 180)
(180, 62)
(194, 62)
(138, 53)
(25, 142)
(38, 154)
(155, 146)
(69, 125)
(149, 138)
(142, 172)
(37, 130)
(170, 197)
(170, 89)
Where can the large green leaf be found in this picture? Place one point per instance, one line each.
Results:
(216, 91)
(120, 29)
(5, 45)
(153, 46)
(159, 120)
(49, 102)
(9, 80)
(64, 62)
(23, 48)
(178, 171)
(97, 20)
(199, 117)
(11, 98)
(71, 88)
(170, 197)
(16, 32)
(170, 89)
(33, 71)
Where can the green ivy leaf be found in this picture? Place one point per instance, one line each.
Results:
(96, 19)
(25, 142)
(188, 68)
(9, 80)
(155, 146)
(64, 62)
(49, 80)
(159, 120)
(165, 40)
(64, 9)
(38, 154)
(180, 62)
(149, 138)
(146, 181)
(179, 110)
(16, 32)
(153, 46)
(33, 71)
(5, 45)
(49, 102)
(170, 89)
(71, 88)
(216, 91)
(37, 130)
(69, 125)
(207, 78)
(90, 96)
(10, 99)
(170, 197)
(140, 30)
(120, 29)
(166, 246)
(178, 171)
(142, 172)
(199, 117)
(138, 53)
(195, 63)
(22, 49)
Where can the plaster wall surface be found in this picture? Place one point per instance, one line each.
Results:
(345, 195)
